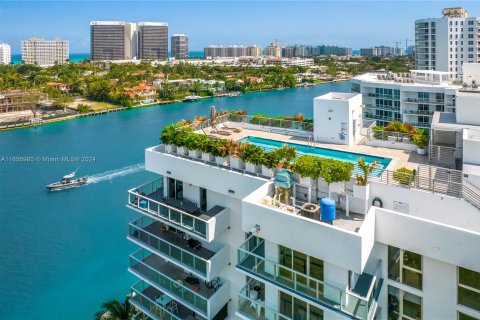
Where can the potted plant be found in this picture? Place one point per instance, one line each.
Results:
(235, 150)
(252, 156)
(269, 162)
(192, 144)
(167, 137)
(307, 168)
(180, 139)
(220, 152)
(420, 139)
(335, 173)
(205, 145)
(404, 176)
(361, 189)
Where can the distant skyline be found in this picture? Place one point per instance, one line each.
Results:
(353, 24)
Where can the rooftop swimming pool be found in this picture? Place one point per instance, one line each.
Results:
(352, 157)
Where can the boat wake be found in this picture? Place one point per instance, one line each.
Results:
(112, 174)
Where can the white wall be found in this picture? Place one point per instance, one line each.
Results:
(427, 205)
(467, 107)
(333, 109)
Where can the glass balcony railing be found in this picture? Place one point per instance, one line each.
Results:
(256, 308)
(153, 268)
(149, 232)
(251, 260)
(184, 213)
(143, 298)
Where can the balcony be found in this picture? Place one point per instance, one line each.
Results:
(171, 244)
(182, 214)
(250, 308)
(204, 298)
(359, 302)
(156, 305)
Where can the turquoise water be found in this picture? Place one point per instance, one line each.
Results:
(76, 57)
(64, 253)
(352, 157)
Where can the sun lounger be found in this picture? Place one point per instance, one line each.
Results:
(232, 128)
(211, 136)
(220, 132)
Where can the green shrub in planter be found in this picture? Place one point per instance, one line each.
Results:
(270, 160)
(333, 171)
(420, 138)
(252, 154)
(168, 134)
(307, 166)
(404, 176)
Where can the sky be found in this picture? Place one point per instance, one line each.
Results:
(354, 24)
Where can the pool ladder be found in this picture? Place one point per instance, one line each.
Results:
(311, 141)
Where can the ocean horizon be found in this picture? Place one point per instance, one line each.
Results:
(77, 57)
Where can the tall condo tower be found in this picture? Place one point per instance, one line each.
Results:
(152, 40)
(446, 43)
(113, 40)
(44, 52)
(5, 53)
(179, 44)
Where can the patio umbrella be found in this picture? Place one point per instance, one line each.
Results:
(213, 115)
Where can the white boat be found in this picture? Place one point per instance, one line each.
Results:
(68, 181)
(191, 98)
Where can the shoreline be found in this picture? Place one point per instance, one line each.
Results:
(28, 124)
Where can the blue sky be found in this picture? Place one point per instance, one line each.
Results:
(348, 23)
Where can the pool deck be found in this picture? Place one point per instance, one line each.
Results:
(400, 158)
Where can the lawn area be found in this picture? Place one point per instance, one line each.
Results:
(94, 105)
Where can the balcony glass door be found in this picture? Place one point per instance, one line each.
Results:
(175, 189)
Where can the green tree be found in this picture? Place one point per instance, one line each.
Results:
(115, 310)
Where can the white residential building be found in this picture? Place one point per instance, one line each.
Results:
(408, 97)
(5, 54)
(216, 242)
(116, 40)
(445, 44)
(45, 52)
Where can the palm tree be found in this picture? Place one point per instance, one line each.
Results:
(115, 310)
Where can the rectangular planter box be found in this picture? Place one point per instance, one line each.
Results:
(207, 157)
(170, 148)
(337, 187)
(267, 172)
(237, 163)
(182, 151)
(361, 192)
(195, 153)
(250, 167)
(221, 161)
(307, 181)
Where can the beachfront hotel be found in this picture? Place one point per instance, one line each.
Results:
(179, 45)
(232, 235)
(232, 51)
(45, 52)
(113, 40)
(152, 40)
(5, 54)
(446, 43)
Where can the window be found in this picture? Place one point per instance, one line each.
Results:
(469, 288)
(470, 29)
(470, 23)
(405, 266)
(301, 263)
(403, 305)
(297, 309)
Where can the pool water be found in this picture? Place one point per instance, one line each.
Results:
(352, 157)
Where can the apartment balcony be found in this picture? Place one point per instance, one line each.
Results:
(419, 112)
(158, 306)
(379, 107)
(181, 214)
(254, 308)
(424, 101)
(204, 298)
(170, 244)
(359, 302)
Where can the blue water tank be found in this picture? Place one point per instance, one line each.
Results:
(328, 209)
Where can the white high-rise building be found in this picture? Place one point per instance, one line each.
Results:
(222, 237)
(407, 97)
(445, 44)
(45, 52)
(5, 54)
(113, 40)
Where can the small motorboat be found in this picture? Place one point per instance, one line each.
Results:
(191, 98)
(68, 181)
